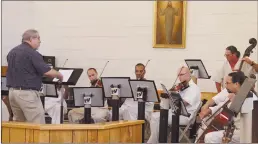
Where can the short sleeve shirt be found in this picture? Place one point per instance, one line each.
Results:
(25, 67)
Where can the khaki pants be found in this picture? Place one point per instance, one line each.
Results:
(27, 106)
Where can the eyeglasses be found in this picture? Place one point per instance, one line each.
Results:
(36, 37)
(227, 55)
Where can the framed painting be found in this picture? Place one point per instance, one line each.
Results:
(169, 24)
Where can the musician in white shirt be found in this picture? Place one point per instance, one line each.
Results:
(191, 97)
(98, 114)
(233, 83)
(231, 64)
(129, 109)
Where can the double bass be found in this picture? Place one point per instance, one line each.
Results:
(220, 118)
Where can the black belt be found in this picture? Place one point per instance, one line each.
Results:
(23, 88)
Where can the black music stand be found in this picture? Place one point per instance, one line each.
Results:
(163, 116)
(116, 88)
(178, 108)
(198, 68)
(144, 91)
(181, 110)
(48, 90)
(70, 77)
(4, 88)
(88, 97)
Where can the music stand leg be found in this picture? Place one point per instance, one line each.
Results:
(87, 114)
(141, 115)
(175, 129)
(163, 124)
(115, 108)
(62, 111)
(42, 98)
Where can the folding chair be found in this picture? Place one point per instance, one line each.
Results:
(189, 125)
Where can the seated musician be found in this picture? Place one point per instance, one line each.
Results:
(233, 83)
(98, 114)
(191, 96)
(129, 109)
(53, 105)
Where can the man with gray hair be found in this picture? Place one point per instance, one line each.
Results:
(24, 78)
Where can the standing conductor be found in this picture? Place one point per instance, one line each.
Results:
(24, 78)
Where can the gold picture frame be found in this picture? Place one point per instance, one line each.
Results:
(169, 24)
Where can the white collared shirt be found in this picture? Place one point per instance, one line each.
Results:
(226, 69)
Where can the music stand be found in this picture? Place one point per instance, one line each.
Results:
(88, 97)
(70, 77)
(178, 108)
(198, 69)
(4, 88)
(49, 90)
(116, 88)
(144, 91)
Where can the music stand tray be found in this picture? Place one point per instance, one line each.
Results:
(4, 88)
(152, 94)
(71, 76)
(49, 90)
(125, 87)
(97, 99)
(197, 64)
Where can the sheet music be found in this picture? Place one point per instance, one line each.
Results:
(183, 108)
(66, 75)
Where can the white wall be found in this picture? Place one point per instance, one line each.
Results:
(90, 33)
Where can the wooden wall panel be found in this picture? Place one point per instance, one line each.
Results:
(92, 136)
(115, 132)
(29, 136)
(137, 133)
(17, 135)
(5, 135)
(80, 136)
(103, 136)
(61, 136)
(126, 134)
(41, 136)
(115, 135)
